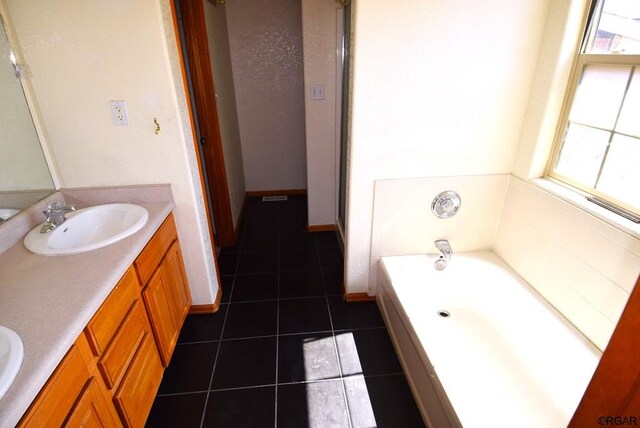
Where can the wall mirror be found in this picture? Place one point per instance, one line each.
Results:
(24, 174)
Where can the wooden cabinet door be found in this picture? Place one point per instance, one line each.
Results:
(138, 388)
(92, 409)
(177, 279)
(58, 396)
(159, 299)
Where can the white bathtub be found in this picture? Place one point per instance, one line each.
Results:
(504, 356)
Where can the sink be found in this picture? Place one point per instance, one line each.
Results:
(88, 229)
(7, 213)
(11, 355)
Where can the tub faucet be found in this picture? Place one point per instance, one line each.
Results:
(55, 215)
(445, 249)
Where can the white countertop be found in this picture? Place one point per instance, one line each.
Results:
(49, 300)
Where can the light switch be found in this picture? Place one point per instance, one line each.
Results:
(317, 91)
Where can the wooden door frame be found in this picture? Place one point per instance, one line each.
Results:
(614, 390)
(195, 32)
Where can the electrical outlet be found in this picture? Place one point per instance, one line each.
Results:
(119, 113)
(317, 91)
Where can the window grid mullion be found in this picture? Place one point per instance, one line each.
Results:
(615, 125)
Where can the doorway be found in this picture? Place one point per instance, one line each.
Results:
(344, 117)
(193, 37)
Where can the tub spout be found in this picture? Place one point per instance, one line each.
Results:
(445, 249)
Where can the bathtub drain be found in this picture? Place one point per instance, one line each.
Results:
(444, 314)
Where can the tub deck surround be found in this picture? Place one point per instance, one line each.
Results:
(48, 300)
(504, 356)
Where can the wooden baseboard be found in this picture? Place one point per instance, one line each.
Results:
(280, 192)
(202, 309)
(322, 228)
(358, 297)
(209, 308)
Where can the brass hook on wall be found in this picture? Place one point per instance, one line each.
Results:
(155, 120)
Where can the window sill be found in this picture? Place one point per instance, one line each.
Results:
(578, 200)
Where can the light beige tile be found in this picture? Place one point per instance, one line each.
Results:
(601, 293)
(612, 260)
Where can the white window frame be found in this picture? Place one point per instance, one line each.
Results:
(581, 61)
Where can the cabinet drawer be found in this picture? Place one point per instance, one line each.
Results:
(152, 254)
(140, 384)
(58, 396)
(107, 320)
(120, 352)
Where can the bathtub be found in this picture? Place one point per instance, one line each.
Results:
(502, 357)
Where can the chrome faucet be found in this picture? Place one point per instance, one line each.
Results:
(55, 215)
(445, 249)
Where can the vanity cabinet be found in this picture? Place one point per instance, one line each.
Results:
(111, 374)
(122, 341)
(166, 292)
(74, 395)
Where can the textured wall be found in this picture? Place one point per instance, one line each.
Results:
(80, 56)
(226, 104)
(265, 37)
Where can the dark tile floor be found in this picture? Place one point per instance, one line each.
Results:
(284, 349)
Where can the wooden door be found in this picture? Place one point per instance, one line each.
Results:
(614, 390)
(195, 31)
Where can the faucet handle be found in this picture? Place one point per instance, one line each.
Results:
(58, 206)
(53, 206)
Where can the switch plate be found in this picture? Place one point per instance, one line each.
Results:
(119, 113)
(317, 91)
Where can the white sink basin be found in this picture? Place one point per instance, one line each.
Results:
(11, 355)
(7, 213)
(88, 229)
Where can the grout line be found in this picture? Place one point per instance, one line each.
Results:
(196, 342)
(278, 270)
(301, 333)
(171, 394)
(297, 333)
(215, 361)
(319, 296)
(240, 388)
(275, 404)
(374, 375)
(267, 385)
(335, 346)
(252, 301)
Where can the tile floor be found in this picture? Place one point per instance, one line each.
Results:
(284, 349)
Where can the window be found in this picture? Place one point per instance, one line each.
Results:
(598, 143)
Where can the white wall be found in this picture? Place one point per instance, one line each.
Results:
(319, 46)
(265, 38)
(80, 56)
(439, 89)
(226, 105)
(575, 258)
(562, 36)
(583, 266)
(404, 224)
